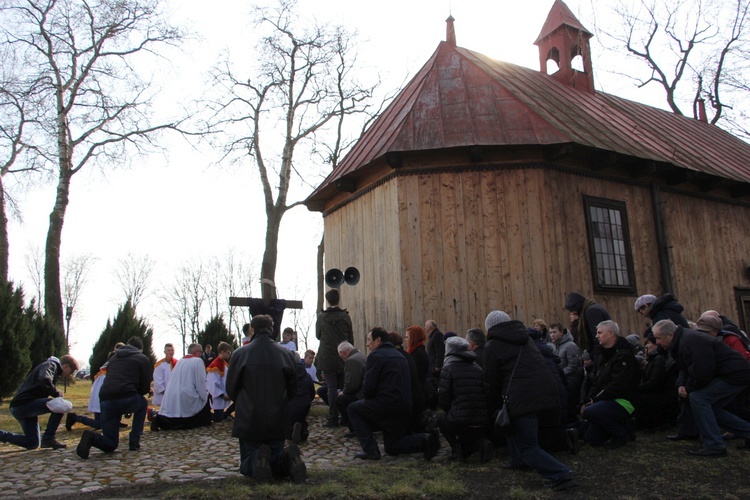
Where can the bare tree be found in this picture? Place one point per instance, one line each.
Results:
(303, 323)
(214, 287)
(184, 301)
(302, 84)
(133, 272)
(95, 104)
(75, 276)
(15, 118)
(34, 259)
(237, 279)
(696, 52)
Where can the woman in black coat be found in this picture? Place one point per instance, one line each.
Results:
(514, 367)
(415, 346)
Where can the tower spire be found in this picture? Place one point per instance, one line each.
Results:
(565, 41)
(450, 31)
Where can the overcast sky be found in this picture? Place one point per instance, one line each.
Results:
(179, 206)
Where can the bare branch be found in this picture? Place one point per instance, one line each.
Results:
(297, 99)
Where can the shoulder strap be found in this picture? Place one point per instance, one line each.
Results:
(505, 397)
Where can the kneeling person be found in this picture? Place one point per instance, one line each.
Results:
(129, 375)
(31, 401)
(261, 382)
(185, 404)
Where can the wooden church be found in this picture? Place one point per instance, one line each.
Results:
(486, 185)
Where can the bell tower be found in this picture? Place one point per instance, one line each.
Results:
(564, 42)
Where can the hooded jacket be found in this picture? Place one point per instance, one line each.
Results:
(461, 390)
(333, 327)
(261, 380)
(570, 358)
(532, 389)
(129, 373)
(39, 383)
(667, 307)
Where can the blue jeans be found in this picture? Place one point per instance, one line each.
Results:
(523, 445)
(709, 413)
(27, 417)
(607, 419)
(112, 412)
(249, 452)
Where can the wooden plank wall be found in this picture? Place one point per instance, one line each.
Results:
(451, 246)
(513, 240)
(364, 234)
(709, 251)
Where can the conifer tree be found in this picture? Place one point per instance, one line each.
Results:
(125, 325)
(15, 337)
(216, 331)
(48, 339)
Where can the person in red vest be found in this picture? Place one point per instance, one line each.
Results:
(216, 383)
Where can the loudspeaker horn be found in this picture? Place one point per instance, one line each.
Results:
(351, 276)
(334, 278)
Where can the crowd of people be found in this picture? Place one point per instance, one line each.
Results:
(539, 389)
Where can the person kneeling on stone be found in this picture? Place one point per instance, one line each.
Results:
(30, 401)
(461, 397)
(129, 374)
(185, 404)
(261, 381)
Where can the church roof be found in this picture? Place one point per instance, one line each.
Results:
(463, 98)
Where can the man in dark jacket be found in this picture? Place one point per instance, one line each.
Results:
(387, 404)
(260, 380)
(333, 327)
(589, 314)
(31, 400)
(657, 399)
(613, 393)
(461, 397)
(354, 377)
(712, 374)
(129, 374)
(514, 369)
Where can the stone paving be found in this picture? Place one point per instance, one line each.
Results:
(164, 456)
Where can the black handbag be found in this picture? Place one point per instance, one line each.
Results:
(502, 419)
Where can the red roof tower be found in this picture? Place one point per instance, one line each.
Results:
(562, 39)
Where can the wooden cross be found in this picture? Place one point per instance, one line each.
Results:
(248, 301)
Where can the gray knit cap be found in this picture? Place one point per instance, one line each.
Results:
(456, 344)
(644, 300)
(494, 318)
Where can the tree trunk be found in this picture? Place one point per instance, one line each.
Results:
(3, 235)
(53, 305)
(270, 257)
